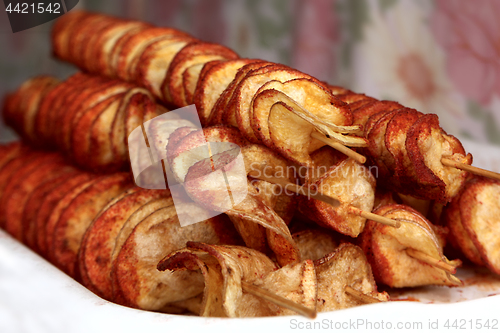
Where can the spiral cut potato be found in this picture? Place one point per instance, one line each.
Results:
(316, 285)
(472, 218)
(389, 250)
(407, 147)
(86, 117)
(101, 229)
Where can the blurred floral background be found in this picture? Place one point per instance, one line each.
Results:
(438, 56)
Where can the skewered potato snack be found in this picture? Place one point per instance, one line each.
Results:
(118, 239)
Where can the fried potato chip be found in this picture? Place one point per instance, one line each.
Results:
(98, 243)
(191, 54)
(61, 32)
(23, 184)
(54, 206)
(135, 278)
(84, 102)
(190, 80)
(304, 91)
(77, 216)
(212, 84)
(223, 269)
(350, 183)
(386, 247)
(15, 190)
(459, 237)
(323, 159)
(32, 209)
(154, 62)
(84, 136)
(427, 143)
(243, 95)
(132, 49)
(479, 213)
(218, 114)
(346, 266)
(49, 108)
(314, 244)
(362, 114)
(110, 42)
(79, 34)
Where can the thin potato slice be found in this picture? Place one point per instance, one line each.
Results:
(479, 212)
(190, 80)
(213, 83)
(77, 216)
(350, 183)
(314, 244)
(346, 266)
(191, 54)
(386, 246)
(223, 268)
(98, 243)
(138, 283)
(154, 63)
(305, 92)
(427, 143)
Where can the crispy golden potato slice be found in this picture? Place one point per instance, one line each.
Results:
(20, 108)
(24, 182)
(79, 34)
(85, 138)
(24, 156)
(223, 268)
(241, 100)
(204, 185)
(61, 32)
(479, 214)
(85, 102)
(458, 237)
(10, 151)
(16, 190)
(354, 186)
(346, 266)
(323, 159)
(91, 45)
(48, 110)
(386, 248)
(138, 283)
(191, 54)
(110, 42)
(362, 114)
(190, 80)
(154, 63)
(304, 91)
(134, 106)
(34, 203)
(132, 49)
(314, 243)
(376, 136)
(98, 243)
(427, 143)
(212, 84)
(55, 205)
(218, 114)
(77, 216)
(395, 143)
(291, 127)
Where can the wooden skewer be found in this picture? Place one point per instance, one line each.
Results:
(469, 168)
(343, 149)
(302, 190)
(374, 217)
(281, 301)
(360, 296)
(431, 261)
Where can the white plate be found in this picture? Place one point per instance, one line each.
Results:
(36, 297)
